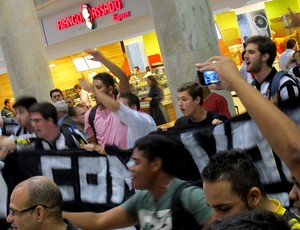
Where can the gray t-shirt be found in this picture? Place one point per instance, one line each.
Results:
(157, 215)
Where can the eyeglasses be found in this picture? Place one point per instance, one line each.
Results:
(17, 213)
(36, 120)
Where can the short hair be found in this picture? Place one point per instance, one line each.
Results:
(47, 194)
(193, 89)
(236, 167)
(6, 101)
(106, 78)
(136, 67)
(290, 43)
(251, 220)
(55, 90)
(153, 80)
(158, 146)
(77, 86)
(132, 99)
(265, 46)
(294, 54)
(46, 109)
(147, 68)
(26, 102)
(61, 106)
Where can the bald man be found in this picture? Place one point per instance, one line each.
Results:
(36, 203)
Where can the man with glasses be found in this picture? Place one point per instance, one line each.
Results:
(49, 135)
(36, 203)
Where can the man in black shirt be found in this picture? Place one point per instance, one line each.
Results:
(190, 100)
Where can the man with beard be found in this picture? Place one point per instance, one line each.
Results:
(259, 57)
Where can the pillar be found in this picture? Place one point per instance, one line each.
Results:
(23, 50)
(186, 34)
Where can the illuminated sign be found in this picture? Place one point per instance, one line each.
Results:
(88, 14)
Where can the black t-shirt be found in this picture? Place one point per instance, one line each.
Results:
(187, 123)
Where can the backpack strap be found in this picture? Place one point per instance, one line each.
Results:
(181, 219)
(68, 135)
(92, 118)
(273, 86)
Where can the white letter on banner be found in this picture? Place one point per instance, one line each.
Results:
(48, 163)
(3, 192)
(120, 175)
(93, 193)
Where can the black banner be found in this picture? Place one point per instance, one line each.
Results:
(88, 181)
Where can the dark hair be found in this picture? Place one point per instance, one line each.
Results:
(265, 46)
(236, 167)
(159, 146)
(55, 90)
(290, 43)
(77, 86)
(106, 78)
(136, 67)
(243, 55)
(6, 101)
(147, 68)
(46, 109)
(153, 80)
(297, 51)
(193, 89)
(48, 194)
(25, 102)
(251, 220)
(132, 99)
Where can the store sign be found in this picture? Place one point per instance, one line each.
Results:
(88, 14)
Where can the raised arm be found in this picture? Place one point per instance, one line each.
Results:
(280, 131)
(111, 219)
(124, 86)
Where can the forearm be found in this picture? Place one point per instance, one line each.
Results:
(124, 86)
(109, 102)
(281, 132)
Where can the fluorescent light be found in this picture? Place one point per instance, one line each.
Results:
(92, 64)
(80, 64)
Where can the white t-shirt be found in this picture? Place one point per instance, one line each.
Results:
(139, 124)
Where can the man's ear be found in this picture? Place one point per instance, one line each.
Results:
(156, 164)
(110, 89)
(40, 214)
(198, 99)
(265, 57)
(254, 197)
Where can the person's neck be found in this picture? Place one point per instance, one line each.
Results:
(160, 186)
(58, 225)
(262, 74)
(53, 134)
(29, 128)
(198, 115)
(268, 205)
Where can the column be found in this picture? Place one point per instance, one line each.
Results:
(186, 34)
(23, 49)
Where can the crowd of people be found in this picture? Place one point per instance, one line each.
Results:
(232, 192)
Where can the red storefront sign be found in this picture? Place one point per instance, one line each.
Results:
(88, 14)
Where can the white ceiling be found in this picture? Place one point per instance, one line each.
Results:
(51, 7)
